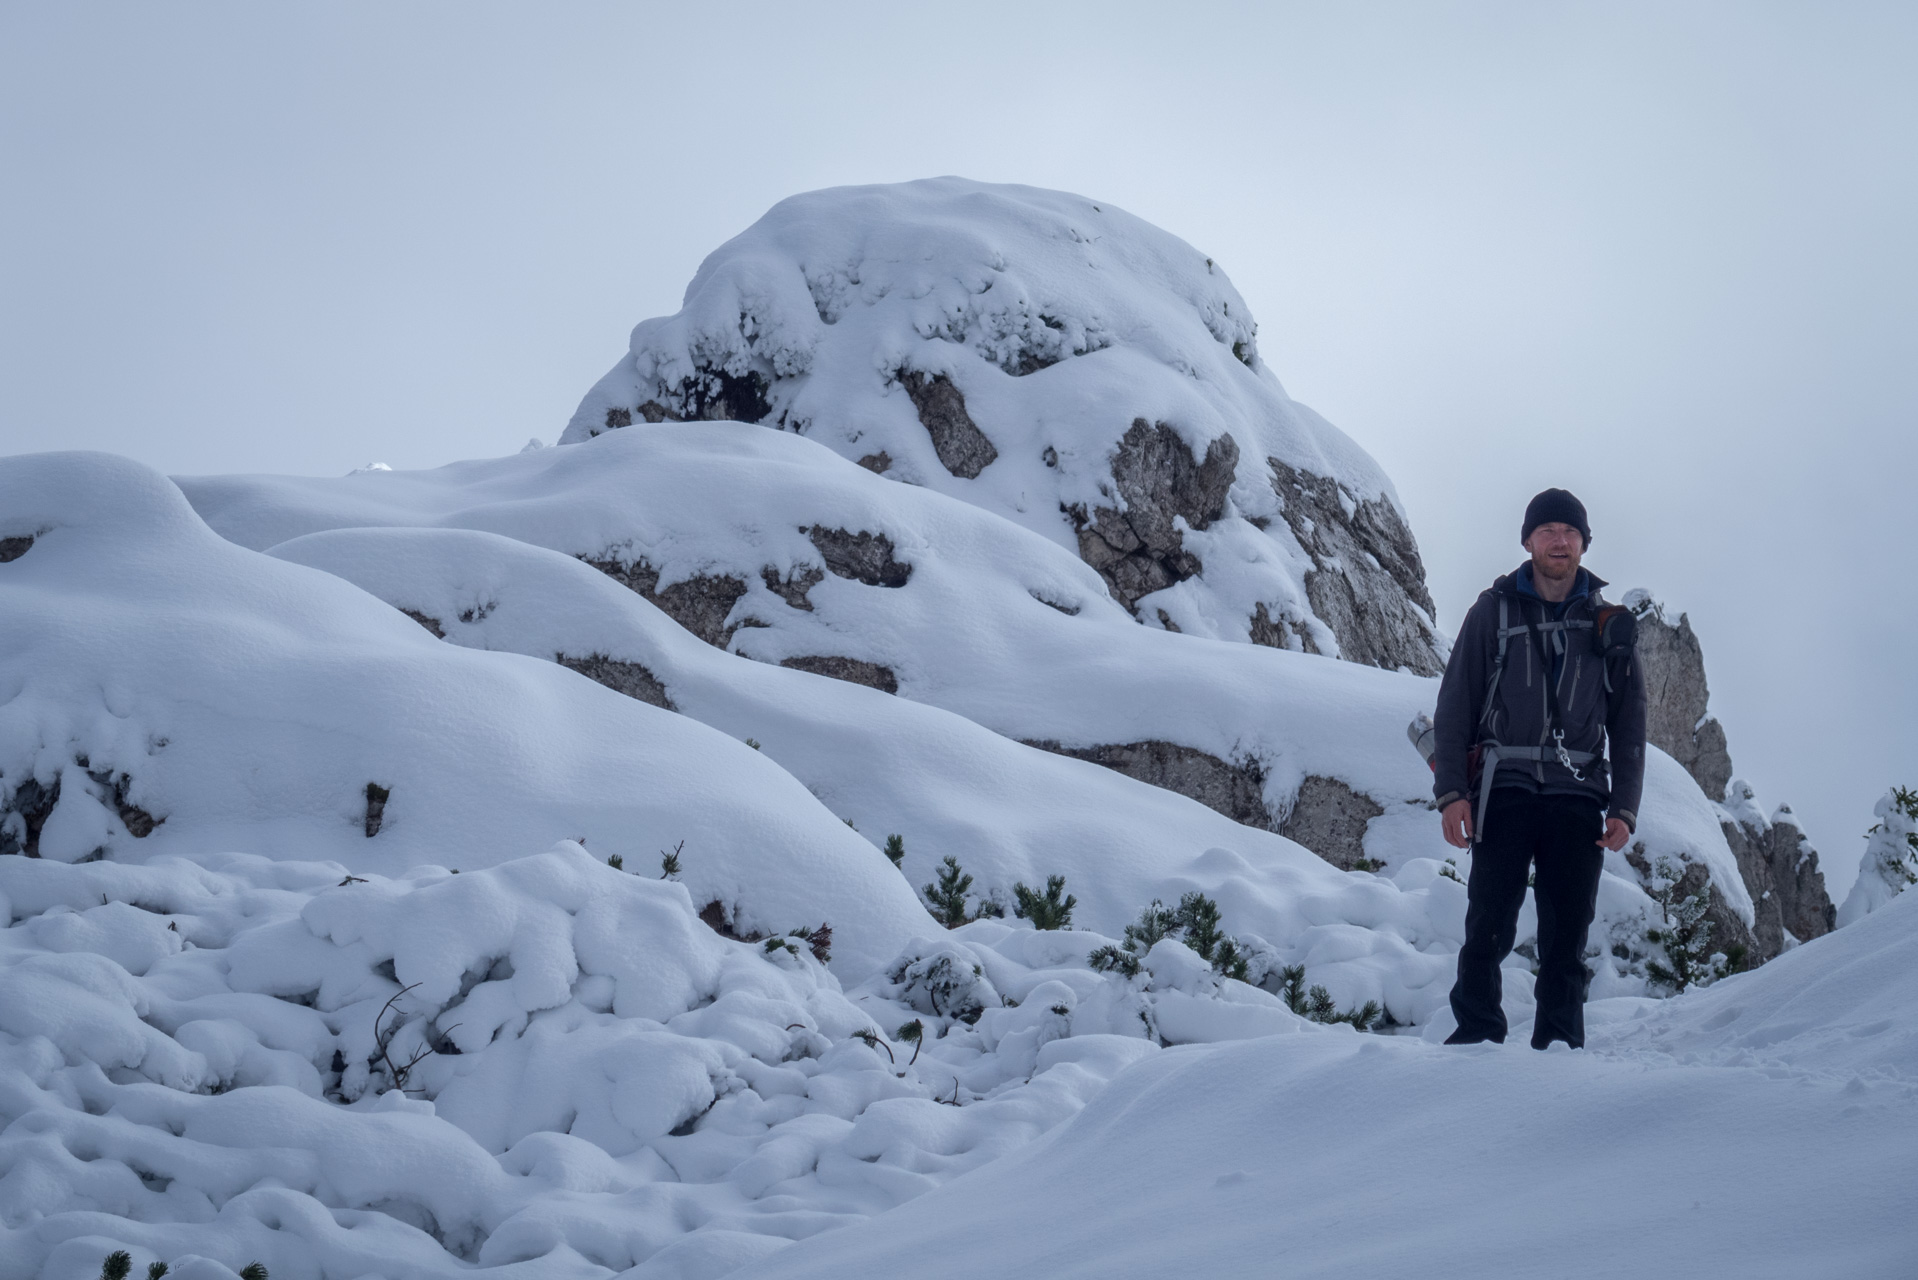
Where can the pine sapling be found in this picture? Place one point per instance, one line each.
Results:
(1049, 910)
(155, 1270)
(1154, 923)
(896, 850)
(253, 1271)
(1317, 1005)
(616, 862)
(946, 897)
(669, 862)
(914, 1034)
(116, 1266)
(1684, 932)
(819, 940)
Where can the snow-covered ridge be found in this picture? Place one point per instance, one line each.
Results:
(1064, 365)
(1005, 630)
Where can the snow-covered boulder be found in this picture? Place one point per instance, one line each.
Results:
(1064, 365)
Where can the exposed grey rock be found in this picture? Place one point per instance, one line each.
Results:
(708, 395)
(1330, 818)
(1776, 862)
(1140, 549)
(1780, 869)
(431, 624)
(1070, 610)
(376, 798)
(877, 463)
(793, 588)
(1281, 632)
(1369, 583)
(13, 548)
(699, 604)
(629, 678)
(1676, 696)
(1235, 790)
(962, 447)
(23, 813)
(863, 557)
(851, 670)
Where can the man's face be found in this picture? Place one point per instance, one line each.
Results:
(1556, 550)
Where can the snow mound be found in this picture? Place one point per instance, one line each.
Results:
(201, 1057)
(1064, 365)
(164, 691)
(1843, 1006)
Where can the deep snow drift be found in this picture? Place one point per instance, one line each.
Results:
(337, 931)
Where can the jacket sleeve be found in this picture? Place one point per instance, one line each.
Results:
(1461, 695)
(1625, 739)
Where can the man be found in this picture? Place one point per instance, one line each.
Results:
(1535, 702)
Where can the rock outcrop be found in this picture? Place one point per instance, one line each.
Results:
(1367, 583)
(1778, 865)
(1676, 719)
(628, 678)
(1139, 548)
(701, 604)
(1329, 818)
(851, 670)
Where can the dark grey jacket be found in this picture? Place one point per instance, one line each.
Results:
(1601, 703)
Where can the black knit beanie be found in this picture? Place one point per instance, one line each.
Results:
(1556, 505)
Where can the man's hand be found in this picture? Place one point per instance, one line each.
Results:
(1616, 833)
(1457, 818)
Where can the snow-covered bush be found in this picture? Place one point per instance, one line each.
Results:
(1890, 862)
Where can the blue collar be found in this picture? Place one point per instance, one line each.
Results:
(1581, 587)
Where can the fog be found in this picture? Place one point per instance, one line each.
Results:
(1660, 255)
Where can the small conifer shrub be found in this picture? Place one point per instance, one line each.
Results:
(253, 1271)
(1194, 922)
(946, 896)
(616, 862)
(669, 861)
(116, 1266)
(1683, 933)
(155, 1270)
(914, 1034)
(819, 941)
(1317, 1004)
(1049, 910)
(896, 850)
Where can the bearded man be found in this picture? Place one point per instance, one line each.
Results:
(1540, 762)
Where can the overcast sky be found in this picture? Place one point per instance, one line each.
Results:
(1662, 255)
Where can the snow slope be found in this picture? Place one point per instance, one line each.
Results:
(1763, 1127)
(248, 702)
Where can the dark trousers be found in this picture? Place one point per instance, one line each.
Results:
(1558, 835)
